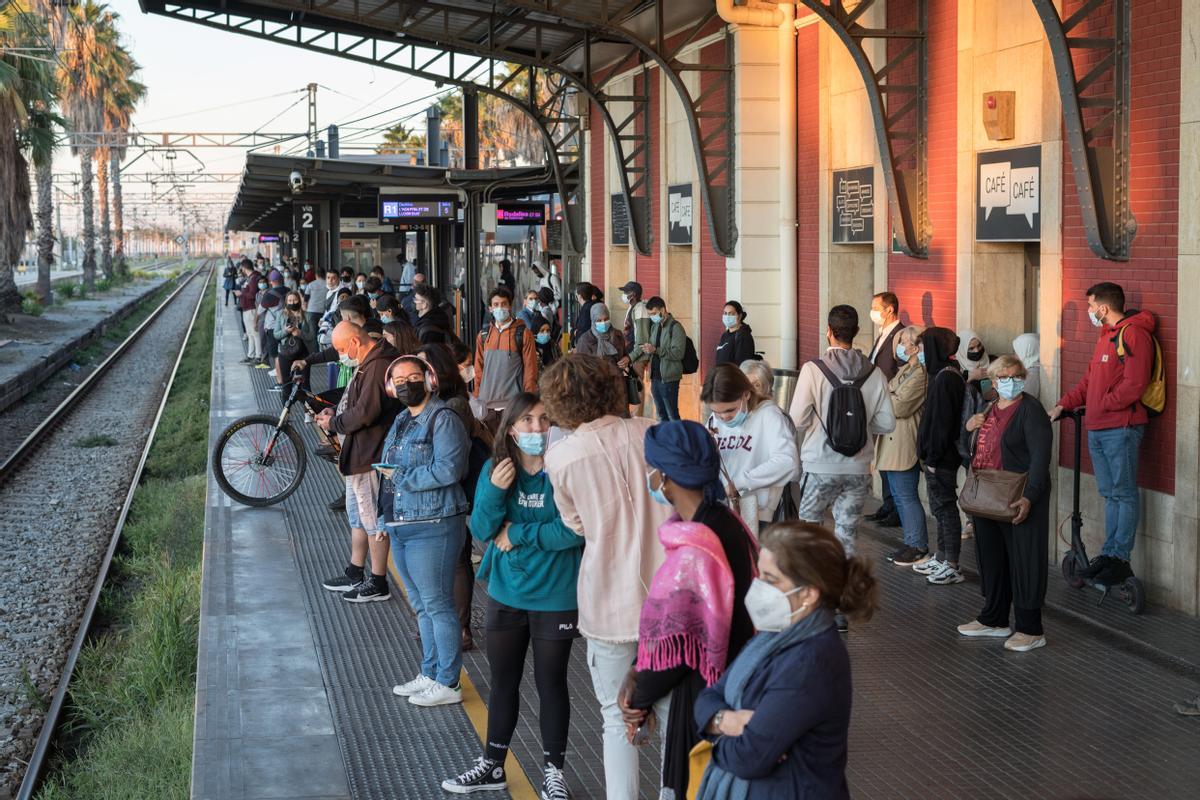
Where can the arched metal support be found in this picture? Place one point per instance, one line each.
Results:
(712, 141)
(897, 93)
(1095, 40)
(560, 132)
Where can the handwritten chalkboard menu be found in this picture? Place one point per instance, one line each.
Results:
(620, 220)
(554, 237)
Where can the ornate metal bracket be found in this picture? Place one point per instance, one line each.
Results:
(898, 96)
(1094, 40)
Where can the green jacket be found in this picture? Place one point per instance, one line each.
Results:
(670, 341)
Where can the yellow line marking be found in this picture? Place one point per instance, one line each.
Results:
(519, 786)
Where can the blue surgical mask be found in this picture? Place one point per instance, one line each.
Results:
(533, 444)
(902, 353)
(531, 305)
(1010, 388)
(729, 320)
(373, 295)
(500, 314)
(262, 285)
(921, 357)
(657, 494)
(386, 319)
(543, 338)
(656, 318)
(602, 327)
(347, 360)
(738, 419)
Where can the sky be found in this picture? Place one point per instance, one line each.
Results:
(205, 80)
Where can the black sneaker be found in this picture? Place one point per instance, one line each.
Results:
(890, 521)
(892, 556)
(1097, 565)
(339, 504)
(276, 388)
(909, 556)
(1114, 573)
(369, 591)
(554, 784)
(485, 776)
(342, 583)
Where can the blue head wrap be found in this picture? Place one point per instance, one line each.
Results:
(686, 453)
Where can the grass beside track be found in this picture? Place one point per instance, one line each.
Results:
(127, 731)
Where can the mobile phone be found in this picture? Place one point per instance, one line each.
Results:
(641, 736)
(385, 466)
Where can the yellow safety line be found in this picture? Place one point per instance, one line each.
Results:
(519, 786)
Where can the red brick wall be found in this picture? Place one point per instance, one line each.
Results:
(808, 174)
(1149, 277)
(926, 287)
(712, 265)
(648, 266)
(597, 197)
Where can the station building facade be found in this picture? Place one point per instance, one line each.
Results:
(808, 178)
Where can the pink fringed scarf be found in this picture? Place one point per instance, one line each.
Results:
(686, 616)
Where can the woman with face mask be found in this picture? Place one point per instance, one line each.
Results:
(602, 338)
(737, 341)
(531, 566)
(779, 717)
(548, 347)
(297, 340)
(423, 461)
(1013, 434)
(756, 441)
(896, 452)
(972, 356)
(693, 622)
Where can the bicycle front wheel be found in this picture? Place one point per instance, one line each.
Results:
(247, 472)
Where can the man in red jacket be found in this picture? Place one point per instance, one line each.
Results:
(1115, 420)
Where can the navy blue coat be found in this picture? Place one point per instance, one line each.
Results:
(795, 745)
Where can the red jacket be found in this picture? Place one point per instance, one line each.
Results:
(1111, 388)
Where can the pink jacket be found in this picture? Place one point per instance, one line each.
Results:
(599, 479)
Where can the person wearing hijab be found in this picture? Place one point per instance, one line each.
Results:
(694, 620)
(602, 339)
(937, 448)
(1027, 347)
(548, 347)
(972, 357)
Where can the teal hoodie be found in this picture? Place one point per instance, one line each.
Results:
(541, 571)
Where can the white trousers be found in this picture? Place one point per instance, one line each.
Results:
(609, 664)
(250, 320)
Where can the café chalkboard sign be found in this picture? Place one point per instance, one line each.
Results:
(620, 219)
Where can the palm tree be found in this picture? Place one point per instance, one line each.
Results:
(122, 97)
(26, 124)
(81, 75)
(42, 122)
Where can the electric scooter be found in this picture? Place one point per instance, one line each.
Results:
(1130, 591)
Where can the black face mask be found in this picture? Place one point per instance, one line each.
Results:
(975, 355)
(411, 394)
(293, 306)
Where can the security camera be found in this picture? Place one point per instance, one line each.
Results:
(296, 180)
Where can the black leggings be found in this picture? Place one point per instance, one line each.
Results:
(506, 657)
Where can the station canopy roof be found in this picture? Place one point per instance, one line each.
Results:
(264, 199)
(519, 30)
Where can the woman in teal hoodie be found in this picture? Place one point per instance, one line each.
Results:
(531, 566)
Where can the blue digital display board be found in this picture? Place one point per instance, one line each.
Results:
(393, 208)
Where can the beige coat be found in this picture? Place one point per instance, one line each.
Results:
(897, 451)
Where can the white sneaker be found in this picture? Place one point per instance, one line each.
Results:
(437, 695)
(415, 686)
(928, 567)
(946, 576)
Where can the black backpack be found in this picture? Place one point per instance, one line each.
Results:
(846, 432)
(691, 362)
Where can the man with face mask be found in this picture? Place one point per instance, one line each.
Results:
(506, 361)
(1111, 389)
(362, 420)
(249, 308)
(885, 310)
(834, 479)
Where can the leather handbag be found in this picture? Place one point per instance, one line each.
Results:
(991, 493)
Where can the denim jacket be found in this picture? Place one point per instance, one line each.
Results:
(430, 454)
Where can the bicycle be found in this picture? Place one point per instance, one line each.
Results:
(259, 460)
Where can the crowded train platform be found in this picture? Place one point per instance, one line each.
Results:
(688, 400)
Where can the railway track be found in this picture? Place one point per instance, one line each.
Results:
(66, 491)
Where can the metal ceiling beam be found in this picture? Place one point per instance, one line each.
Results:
(560, 132)
(898, 109)
(1096, 38)
(186, 178)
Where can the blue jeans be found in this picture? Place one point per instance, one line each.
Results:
(425, 555)
(903, 484)
(666, 399)
(1115, 460)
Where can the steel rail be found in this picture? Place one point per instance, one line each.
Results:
(37, 760)
(31, 441)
